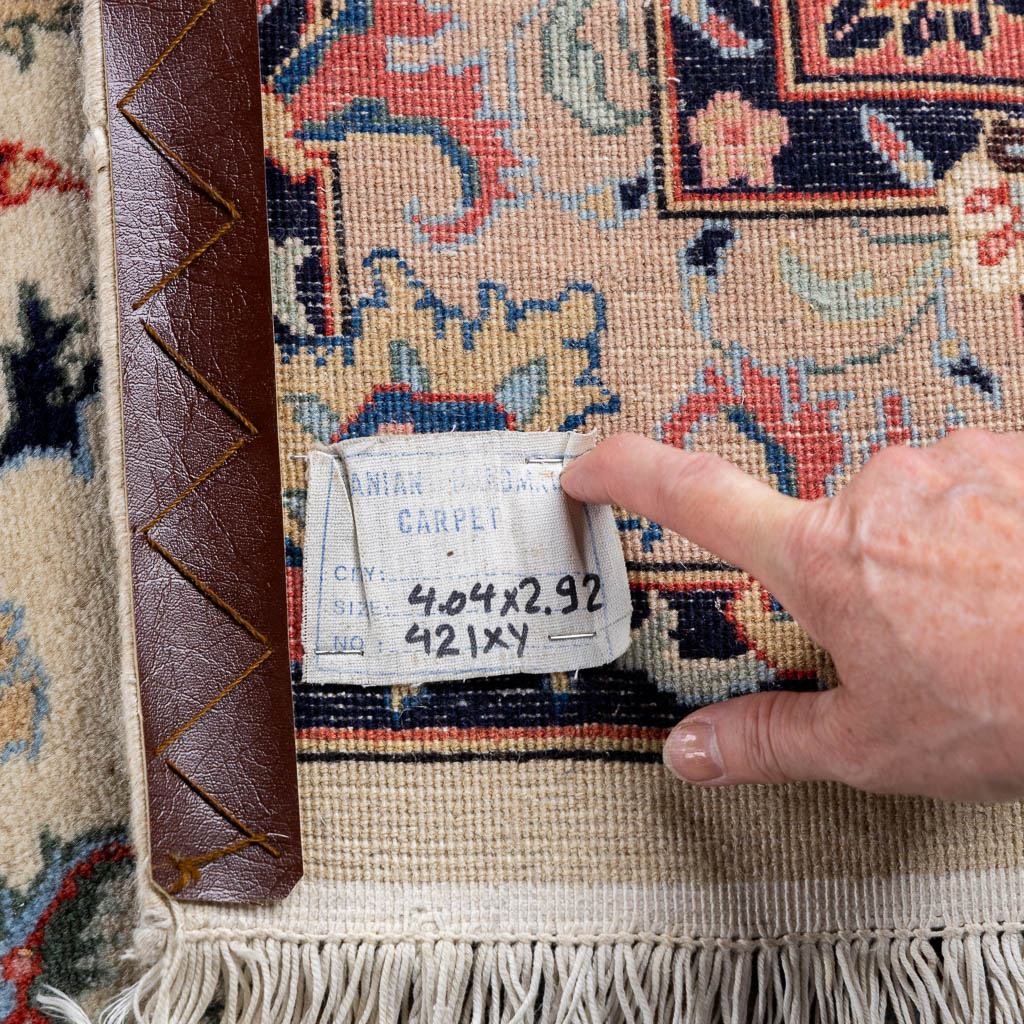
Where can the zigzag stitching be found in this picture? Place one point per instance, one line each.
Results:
(190, 172)
(189, 868)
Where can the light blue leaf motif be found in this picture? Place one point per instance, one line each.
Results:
(285, 259)
(315, 417)
(522, 391)
(855, 296)
(898, 151)
(294, 502)
(574, 73)
(406, 366)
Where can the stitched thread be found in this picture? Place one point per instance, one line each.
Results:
(205, 475)
(225, 403)
(213, 703)
(220, 808)
(189, 867)
(190, 172)
(207, 591)
(222, 400)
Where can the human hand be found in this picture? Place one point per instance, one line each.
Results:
(912, 577)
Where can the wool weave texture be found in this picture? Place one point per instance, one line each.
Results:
(66, 880)
(790, 233)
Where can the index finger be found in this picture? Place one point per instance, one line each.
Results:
(705, 498)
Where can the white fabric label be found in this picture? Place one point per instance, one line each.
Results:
(449, 556)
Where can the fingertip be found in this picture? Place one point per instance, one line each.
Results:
(772, 737)
(587, 477)
(574, 478)
(582, 478)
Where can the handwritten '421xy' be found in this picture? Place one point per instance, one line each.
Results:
(524, 599)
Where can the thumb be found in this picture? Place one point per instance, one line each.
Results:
(762, 737)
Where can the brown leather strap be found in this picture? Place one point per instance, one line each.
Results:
(201, 456)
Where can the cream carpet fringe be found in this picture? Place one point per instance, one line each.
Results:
(974, 976)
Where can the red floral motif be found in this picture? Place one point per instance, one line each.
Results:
(792, 659)
(24, 964)
(998, 244)
(356, 67)
(911, 41)
(24, 171)
(801, 445)
(896, 429)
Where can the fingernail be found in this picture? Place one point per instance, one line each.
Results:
(691, 752)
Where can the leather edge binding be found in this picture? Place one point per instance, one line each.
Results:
(219, 832)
